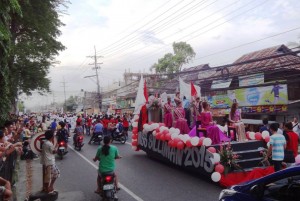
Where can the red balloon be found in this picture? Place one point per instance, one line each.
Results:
(176, 140)
(157, 130)
(258, 136)
(267, 139)
(135, 130)
(170, 143)
(162, 137)
(158, 135)
(168, 136)
(247, 135)
(161, 124)
(219, 168)
(201, 141)
(188, 143)
(165, 132)
(134, 143)
(211, 149)
(180, 145)
(174, 144)
(134, 137)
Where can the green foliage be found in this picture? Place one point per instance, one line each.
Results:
(6, 8)
(172, 63)
(34, 45)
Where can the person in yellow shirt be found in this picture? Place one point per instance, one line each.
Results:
(27, 133)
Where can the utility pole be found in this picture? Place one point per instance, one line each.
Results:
(96, 67)
(64, 86)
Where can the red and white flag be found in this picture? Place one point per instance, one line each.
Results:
(141, 96)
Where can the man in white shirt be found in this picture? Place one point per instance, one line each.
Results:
(296, 126)
(50, 170)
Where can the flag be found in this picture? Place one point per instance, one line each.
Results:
(140, 99)
(145, 91)
(185, 89)
(193, 90)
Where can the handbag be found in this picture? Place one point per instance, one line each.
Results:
(289, 156)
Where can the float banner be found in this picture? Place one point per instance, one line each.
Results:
(268, 95)
(219, 101)
(250, 80)
(195, 159)
(265, 109)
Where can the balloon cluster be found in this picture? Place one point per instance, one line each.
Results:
(174, 138)
(258, 136)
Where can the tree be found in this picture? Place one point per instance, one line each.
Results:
(6, 8)
(172, 63)
(34, 46)
(71, 103)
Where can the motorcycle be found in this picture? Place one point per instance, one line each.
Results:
(97, 138)
(119, 136)
(61, 150)
(109, 189)
(79, 143)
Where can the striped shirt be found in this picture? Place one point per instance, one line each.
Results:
(278, 143)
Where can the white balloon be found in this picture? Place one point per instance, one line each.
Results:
(268, 144)
(174, 135)
(207, 142)
(264, 134)
(135, 117)
(177, 131)
(216, 176)
(195, 141)
(217, 157)
(155, 125)
(252, 135)
(154, 133)
(186, 138)
(171, 130)
(145, 125)
(134, 124)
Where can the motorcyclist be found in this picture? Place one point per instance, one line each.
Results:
(106, 155)
(63, 134)
(98, 129)
(77, 132)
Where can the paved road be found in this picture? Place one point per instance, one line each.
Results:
(141, 178)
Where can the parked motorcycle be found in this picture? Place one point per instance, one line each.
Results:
(61, 150)
(119, 136)
(79, 142)
(96, 138)
(109, 189)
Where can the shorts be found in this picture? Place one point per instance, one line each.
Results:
(51, 172)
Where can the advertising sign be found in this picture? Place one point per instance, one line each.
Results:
(268, 95)
(265, 109)
(220, 84)
(219, 101)
(250, 80)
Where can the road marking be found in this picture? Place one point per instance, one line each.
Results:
(132, 194)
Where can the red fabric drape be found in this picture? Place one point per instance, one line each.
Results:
(239, 177)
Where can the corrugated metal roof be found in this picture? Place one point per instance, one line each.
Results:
(285, 62)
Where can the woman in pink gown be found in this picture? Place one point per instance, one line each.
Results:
(168, 119)
(179, 118)
(212, 130)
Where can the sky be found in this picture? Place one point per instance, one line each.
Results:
(134, 34)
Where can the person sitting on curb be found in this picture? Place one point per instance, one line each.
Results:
(5, 190)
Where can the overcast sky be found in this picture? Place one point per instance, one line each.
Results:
(134, 34)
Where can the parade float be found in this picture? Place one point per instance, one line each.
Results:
(227, 164)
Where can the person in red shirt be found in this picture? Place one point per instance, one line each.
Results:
(105, 124)
(88, 125)
(292, 142)
(125, 125)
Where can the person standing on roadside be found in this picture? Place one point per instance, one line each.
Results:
(296, 126)
(292, 142)
(276, 148)
(50, 170)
